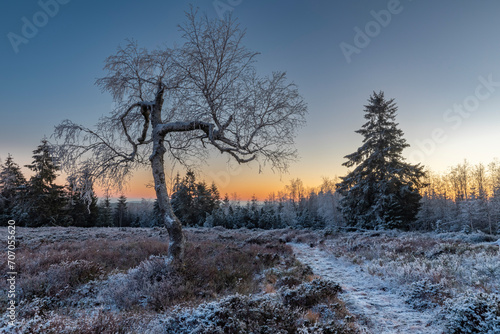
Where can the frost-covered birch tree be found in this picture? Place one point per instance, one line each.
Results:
(176, 103)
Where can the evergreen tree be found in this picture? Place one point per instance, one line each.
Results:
(202, 203)
(383, 190)
(193, 201)
(156, 219)
(214, 200)
(269, 217)
(183, 197)
(11, 183)
(121, 212)
(82, 212)
(105, 212)
(43, 200)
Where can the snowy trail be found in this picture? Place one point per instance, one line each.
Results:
(367, 296)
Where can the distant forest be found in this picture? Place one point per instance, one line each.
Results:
(465, 198)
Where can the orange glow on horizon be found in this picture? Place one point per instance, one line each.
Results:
(241, 186)
(244, 192)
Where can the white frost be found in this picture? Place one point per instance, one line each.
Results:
(366, 296)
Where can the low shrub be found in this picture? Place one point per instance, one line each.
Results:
(235, 314)
(265, 314)
(59, 278)
(55, 269)
(473, 313)
(309, 294)
(425, 294)
(100, 321)
(110, 254)
(289, 277)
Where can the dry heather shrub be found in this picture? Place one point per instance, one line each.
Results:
(293, 275)
(59, 278)
(269, 288)
(425, 294)
(100, 322)
(261, 314)
(235, 314)
(309, 294)
(473, 313)
(210, 269)
(54, 270)
(110, 254)
(312, 316)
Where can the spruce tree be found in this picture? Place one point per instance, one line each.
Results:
(183, 199)
(193, 201)
(155, 219)
(105, 212)
(12, 182)
(81, 212)
(121, 212)
(383, 190)
(43, 200)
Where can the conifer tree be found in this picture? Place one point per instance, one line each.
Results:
(11, 183)
(183, 198)
(105, 212)
(383, 190)
(82, 212)
(121, 212)
(43, 201)
(155, 219)
(193, 201)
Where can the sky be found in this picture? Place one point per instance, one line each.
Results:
(439, 60)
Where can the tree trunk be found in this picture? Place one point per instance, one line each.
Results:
(171, 222)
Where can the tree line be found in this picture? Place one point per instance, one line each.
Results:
(464, 198)
(39, 201)
(383, 191)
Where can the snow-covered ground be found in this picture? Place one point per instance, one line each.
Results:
(368, 297)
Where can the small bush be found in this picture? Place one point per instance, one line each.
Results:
(290, 277)
(424, 294)
(54, 269)
(473, 313)
(309, 294)
(235, 314)
(110, 254)
(59, 278)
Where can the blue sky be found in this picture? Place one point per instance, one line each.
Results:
(439, 60)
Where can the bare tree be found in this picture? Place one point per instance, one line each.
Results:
(179, 102)
(295, 190)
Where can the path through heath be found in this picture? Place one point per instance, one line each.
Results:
(369, 298)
